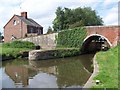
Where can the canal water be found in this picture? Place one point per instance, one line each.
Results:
(72, 72)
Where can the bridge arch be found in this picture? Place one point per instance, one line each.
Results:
(95, 42)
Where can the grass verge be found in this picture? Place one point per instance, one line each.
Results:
(12, 52)
(108, 68)
(14, 49)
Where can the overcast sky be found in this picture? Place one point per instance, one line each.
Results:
(43, 11)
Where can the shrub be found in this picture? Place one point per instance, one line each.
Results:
(71, 38)
(66, 52)
(19, 44)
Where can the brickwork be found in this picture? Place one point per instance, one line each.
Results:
(20, 26)
(11, 29)
(112, 33)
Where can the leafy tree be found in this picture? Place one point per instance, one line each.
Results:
(0, 33)
(58, 23)
(70, 18)
(1, 37)
(49, 30)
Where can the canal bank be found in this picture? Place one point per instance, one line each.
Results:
(53, 53)
(91, 82)
(15, 49)
(105, 61)
(108, 69)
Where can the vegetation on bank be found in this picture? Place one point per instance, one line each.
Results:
(19, 44)
(54, 53)
(14, 49)
(72, 38)
(65, 52)
(108, 68)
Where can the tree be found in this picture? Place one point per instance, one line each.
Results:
(70, 18)
(91, 17)
(0, 33)
(49, 30)
(58, 23)
(1, 37)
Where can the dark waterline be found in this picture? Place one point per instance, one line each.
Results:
(54, 73)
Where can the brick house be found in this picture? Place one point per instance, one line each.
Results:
(20, 27)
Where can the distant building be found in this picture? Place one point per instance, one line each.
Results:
(20, 27)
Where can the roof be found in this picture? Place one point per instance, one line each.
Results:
(29, 21)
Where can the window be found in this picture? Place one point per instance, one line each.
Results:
(31, 30)
(14, 22)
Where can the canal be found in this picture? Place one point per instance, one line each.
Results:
(72, 72)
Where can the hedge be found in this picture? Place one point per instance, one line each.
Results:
(19, 44)
(71, 38)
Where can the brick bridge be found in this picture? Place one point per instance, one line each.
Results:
(111, 35)
(97, 36)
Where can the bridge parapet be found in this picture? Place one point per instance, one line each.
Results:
(45, 41)
(112, 33)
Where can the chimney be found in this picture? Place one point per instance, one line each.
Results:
(24, 14)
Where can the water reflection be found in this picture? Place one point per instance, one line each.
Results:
(56, 73)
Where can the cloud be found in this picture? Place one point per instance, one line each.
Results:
(111, 18)
(43, 11)
(109, 2)
(10, 3)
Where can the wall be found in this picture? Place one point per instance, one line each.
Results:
(112, 33)
(17, 30)
(45, 41)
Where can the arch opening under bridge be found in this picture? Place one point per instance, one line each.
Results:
(94, 43)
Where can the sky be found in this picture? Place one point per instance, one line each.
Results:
(43, 11)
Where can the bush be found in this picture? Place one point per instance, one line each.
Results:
(66, 52)
(19, 44)
(71, 38)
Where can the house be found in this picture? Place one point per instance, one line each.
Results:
(20, 27)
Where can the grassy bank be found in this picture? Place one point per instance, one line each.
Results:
(12, 52)
(108, 68)
(15, 49)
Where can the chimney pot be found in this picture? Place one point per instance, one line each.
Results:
(24, 14)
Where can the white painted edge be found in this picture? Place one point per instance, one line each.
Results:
(100, 36)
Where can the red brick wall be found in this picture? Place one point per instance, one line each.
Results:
(17, 30)
(110, 32)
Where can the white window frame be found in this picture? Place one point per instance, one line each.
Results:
(14, 23)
